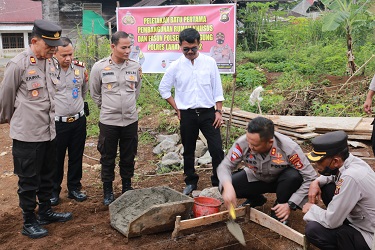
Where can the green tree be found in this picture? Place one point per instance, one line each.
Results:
(347, 14)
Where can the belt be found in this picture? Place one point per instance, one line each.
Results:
(199, 110)
(69, 118)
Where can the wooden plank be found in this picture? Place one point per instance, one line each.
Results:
(270, 223)
(303, 136)
(299, 130)
(360, 137)
(209, 219)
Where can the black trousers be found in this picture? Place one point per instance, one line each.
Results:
(344, 237)
(127, 139)
(34, 163)
(191, 122)
(286, 184)
(71, 137)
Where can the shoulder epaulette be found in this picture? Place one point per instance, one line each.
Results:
(79, 63)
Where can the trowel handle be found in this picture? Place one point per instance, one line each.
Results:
(232, 212)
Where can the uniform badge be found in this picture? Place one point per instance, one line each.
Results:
(273, 151)
(296, 161)
(75, 93)
(32, 72)
(35, 93)
(76, 72)
(109, 86)
(279, 159)
(131, 78)
(32, 60)
(35, 85)
(107, 68)
(338, 186)
(236, 153)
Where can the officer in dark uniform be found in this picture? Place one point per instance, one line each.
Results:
(346, 186)
(70, 120)
(27, 104)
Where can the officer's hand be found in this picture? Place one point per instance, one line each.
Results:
(178, 114)
(367, 106)
(229, 195)
(314, 192)
(282, 211)
(306, 207)
(218, 120)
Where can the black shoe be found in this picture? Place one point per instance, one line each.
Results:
(189, 188)
(255, 202)
(77, 195)
(55, 198)
(108, 193)
(126, 189)
(50, 216)
(34, 230)
(126, 185)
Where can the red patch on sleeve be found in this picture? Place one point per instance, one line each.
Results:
(236, 153)
(296, 161)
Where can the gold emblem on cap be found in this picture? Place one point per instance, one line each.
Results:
(57, 34)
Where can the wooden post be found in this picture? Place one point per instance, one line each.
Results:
(110, 30)
(176, 227)
(247, 213)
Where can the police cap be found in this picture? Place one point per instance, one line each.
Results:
(328, 144)
(48, 31)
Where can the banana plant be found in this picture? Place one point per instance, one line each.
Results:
(346, 14)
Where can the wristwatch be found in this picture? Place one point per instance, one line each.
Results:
(218, 110)
(292, 205)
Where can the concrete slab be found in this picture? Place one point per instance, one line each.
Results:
(148, 210)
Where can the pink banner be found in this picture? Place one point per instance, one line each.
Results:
(155, 31)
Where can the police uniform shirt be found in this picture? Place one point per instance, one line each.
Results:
(267, 167)
(115, 90)
(26, 98)
(71, 90)
(354, 199)
(196, 86)
(372, 84)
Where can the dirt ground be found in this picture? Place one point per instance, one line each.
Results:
(90, 227)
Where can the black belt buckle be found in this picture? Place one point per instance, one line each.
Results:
(197, 111)
(70, 119)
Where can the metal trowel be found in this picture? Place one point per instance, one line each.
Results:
(234, 228)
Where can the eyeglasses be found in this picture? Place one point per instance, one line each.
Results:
(186, 50)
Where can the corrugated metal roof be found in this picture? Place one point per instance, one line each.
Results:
(149, 3)
(20, 11)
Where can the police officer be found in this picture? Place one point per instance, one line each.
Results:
(346, 186)
(27, 103)
(115, 84)
(274, 164)
(222, 53)
(70, 120)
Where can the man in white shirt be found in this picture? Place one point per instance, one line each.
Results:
(346, 186)
(198, 103)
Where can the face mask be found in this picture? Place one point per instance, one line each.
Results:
(327, 171)
(220, 41)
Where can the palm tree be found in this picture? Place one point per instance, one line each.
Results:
(347, 14)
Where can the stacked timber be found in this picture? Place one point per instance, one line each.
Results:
(306, 127)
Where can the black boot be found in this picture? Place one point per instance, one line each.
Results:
(108, 193)
(126, 185)
(31, 227)
(47, 215)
